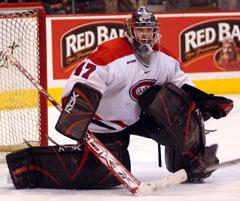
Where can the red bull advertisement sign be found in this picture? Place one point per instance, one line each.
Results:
(73, 40)
(202, 42)
(79, 42)
(215, 41)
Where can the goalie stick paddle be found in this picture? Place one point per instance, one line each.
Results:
(102, 153)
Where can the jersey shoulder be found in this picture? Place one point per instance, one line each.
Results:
(111, 50)
(168, 57)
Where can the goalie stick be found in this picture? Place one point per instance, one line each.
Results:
(102, 153)
(224, 164)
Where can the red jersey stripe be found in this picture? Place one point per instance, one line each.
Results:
(110, 51)
(120, 123)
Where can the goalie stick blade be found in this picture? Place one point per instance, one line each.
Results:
(163, 183)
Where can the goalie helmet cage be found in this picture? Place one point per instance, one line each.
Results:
(23, 110)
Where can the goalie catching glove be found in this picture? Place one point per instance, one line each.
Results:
(209, 105)
(79, 108)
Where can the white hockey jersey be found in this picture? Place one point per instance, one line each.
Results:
(114, 70)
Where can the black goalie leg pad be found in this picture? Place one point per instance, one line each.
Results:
(65, 167)
(181, 126)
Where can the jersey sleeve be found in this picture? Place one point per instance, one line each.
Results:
(178, 77)
(97, 69)
(89, 73)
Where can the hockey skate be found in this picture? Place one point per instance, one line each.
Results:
(199, 166)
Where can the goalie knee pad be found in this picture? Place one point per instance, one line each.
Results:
(179, 120)
(63, 167)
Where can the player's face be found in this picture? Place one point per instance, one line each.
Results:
(144, 34)
(229, 50)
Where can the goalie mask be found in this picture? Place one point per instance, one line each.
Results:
(142, 32)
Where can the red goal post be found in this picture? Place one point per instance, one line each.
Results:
(23, 110)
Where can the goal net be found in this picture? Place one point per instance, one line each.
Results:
(23, 111)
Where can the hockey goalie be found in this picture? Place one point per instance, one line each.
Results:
(127, 86)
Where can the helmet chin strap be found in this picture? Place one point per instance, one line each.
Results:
(143, 52)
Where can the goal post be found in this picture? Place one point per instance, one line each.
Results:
(23, 110)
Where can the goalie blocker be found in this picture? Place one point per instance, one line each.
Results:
(78, 110)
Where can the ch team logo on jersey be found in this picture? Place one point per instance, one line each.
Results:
(140, 87)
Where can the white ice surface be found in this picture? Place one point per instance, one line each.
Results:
(223, 185)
